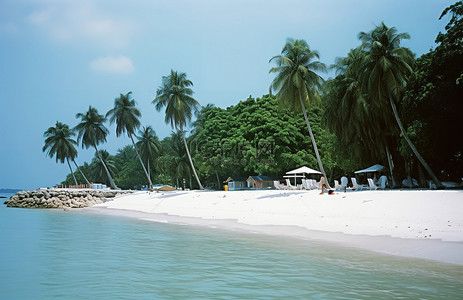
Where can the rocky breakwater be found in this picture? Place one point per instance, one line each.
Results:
(61, 198)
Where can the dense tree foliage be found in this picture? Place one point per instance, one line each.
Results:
(433, 103)
(257, 136)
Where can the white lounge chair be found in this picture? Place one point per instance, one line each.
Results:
(372, 185)
(313, 184)
(344, 183)
(289, 185)
(278, 185)
(305, 184)
(337, 186)
(357, 186)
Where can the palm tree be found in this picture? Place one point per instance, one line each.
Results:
(92, 132)
(82, 173)
(176, 95)
(297, 82)
(149, 145)
(177, 149)
(351, 115)
(101, 162)
(59, 143)
(386, 66)
(126, 116)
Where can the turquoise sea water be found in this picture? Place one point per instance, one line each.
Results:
(48, 254)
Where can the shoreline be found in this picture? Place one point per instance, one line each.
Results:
(370, 220)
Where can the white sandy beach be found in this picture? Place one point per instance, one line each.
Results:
(421, 224)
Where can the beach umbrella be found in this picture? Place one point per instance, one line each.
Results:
(301, 170)
(372, 169)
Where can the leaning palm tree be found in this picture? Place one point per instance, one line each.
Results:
(126, 116)
(351, 114)
(149, 145)
(81, 173)
(297, 83)
(92, 132)
(176, 95)
(386, 66)
(101, 162)
(59, 143)
(177, 148)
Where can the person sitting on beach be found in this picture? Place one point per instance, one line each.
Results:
(323, 185)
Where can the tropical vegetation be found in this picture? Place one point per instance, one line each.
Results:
(59, 143)
(126, 116)
(297, 82)
(176, 95)
(384, 105)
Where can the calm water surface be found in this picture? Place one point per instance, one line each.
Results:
(48, 254)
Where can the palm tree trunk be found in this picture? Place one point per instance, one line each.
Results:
(191, 162)
(313, 142)
(81, 172)
(421, 176)
(391, 167)
(141, 162)
(218, 181)
(412, 146)
(71, 171)
(111, 181)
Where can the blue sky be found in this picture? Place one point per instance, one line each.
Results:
(58, 57)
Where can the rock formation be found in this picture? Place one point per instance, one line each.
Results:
(61, 198)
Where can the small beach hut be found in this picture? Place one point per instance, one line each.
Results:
(235, 183)
(259, 182)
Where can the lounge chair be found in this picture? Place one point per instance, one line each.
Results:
(278, 185)
(337, 186)
(289, 185)
(357, 186)
(344, 183)
(313, 184)
(372, 185)
(305, 184)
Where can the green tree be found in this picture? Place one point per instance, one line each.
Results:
(83, 169)
(432, 102)
(126, 116)
(92, 132)
(102, 163)
(386, 66)
(181, 161)
(352, 115)
(257, 137)
(176, 95)
(149, 145)
(129, 174)
(297, 82)
(59, 143)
